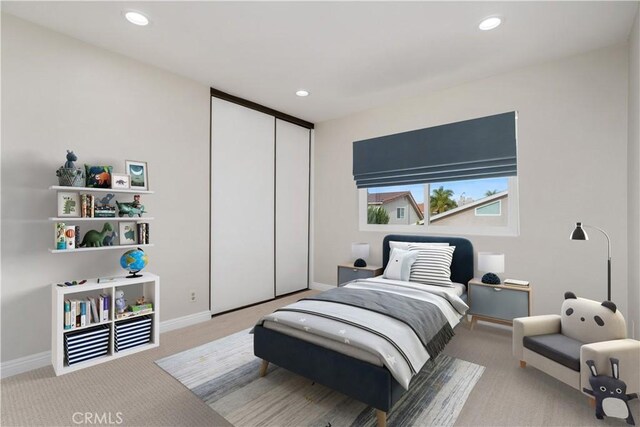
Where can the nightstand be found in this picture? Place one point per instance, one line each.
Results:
(347, 272)
(497, 303)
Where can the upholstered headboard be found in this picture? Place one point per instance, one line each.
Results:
(462, 264)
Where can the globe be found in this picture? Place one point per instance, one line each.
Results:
(134, 261)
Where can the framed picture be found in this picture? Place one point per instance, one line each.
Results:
(98, 176)
(128, 233)
(68, 204)
(120, 181)
(139, 174)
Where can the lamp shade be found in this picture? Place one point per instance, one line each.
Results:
(579, 233)
(360, 251)
(491, 262)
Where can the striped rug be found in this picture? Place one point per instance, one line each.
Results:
(224, 373)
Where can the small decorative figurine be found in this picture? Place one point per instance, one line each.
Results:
(106, 199)
(68, 175)
(71, 157)
(611, 395)
(103, 209)
(109, 238)
(120, 301)
(131, 208)
(94, 238)
(140, 301)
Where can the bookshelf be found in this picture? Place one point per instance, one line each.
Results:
(116, 218)
(99, 248)
(147, 285)
(98, 190)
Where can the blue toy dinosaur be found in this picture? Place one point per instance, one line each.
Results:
(108, 239)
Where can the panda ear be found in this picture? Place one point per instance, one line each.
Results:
(611, 306)
(569, 295)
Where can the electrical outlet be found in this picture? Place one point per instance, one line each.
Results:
(192, 296)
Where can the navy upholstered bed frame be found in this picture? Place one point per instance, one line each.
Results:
(370, 384)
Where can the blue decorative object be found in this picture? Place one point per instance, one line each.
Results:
(108, 239)
(134, 261)
(610, 393)
(71, 157)
(491, 279)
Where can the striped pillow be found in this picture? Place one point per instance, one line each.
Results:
(433, 265)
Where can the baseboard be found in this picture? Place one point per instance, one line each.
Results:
(184, 321)
(25, 364)
(321, 286)
(40, 360)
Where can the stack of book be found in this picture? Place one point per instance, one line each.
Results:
(80, 346)
(87, 205)
(143, 233)
(66, 236)
(132, 333)
(79, 313)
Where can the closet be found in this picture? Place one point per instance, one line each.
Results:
(259, 206)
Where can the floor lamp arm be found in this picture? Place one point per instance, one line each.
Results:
(608, 259)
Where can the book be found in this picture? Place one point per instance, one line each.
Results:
(72, 314)
(94, 310)
(83, 313)
(60, 239)
(83, 205)
(146, 233)
(78, 240)
(67, 314)
(101, 308)
(70, 236)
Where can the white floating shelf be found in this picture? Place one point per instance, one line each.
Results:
(98, 190)
(117, 218)
(100, 248)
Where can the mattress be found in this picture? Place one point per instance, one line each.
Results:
(458, 289)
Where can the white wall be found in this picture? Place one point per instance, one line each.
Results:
(572, 134)
(59, 93)
(634, 178)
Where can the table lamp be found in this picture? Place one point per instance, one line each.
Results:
(360, 252)
(491, 263)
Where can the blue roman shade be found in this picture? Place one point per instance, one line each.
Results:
(472, 149)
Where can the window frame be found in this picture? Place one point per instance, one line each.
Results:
(512, 229)
(404, 212)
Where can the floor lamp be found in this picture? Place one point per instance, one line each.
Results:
(580, 234)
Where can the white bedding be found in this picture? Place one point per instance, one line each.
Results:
(368, 347)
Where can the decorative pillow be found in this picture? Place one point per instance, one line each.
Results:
(98, 176)
(405, 245)
(433, 265)
(399, 266)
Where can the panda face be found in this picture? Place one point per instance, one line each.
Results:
(596, 319)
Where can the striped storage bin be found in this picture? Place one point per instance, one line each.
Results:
(131, 333)
(87, 344)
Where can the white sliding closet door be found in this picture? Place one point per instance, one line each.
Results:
(292, 207)
(242, 206)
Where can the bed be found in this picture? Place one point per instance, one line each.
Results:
(335, 366)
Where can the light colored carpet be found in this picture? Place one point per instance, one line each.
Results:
(505, 395)
(225, 374)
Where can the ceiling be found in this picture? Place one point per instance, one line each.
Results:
(351, 56)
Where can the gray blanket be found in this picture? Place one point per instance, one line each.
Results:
(426, 320)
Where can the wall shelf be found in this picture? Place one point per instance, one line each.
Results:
(98, 190)
(100, 248)
(116, 218)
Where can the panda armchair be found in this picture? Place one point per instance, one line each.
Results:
(560, 345)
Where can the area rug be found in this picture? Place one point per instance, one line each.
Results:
(224, 373)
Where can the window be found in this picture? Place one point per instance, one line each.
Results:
(490, 209)
(482, 206)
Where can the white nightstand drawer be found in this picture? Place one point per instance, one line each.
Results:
(498, 302)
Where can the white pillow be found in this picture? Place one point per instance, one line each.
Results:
(433, 265)
(399, 265)
(405, 245)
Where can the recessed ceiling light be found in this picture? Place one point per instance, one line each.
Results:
(302, 92)
(136, 18)
(490, 23)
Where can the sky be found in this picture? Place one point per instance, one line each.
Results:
(475, 189)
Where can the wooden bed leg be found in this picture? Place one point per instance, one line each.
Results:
(263, 368)
(381, 417)
(523, 364)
